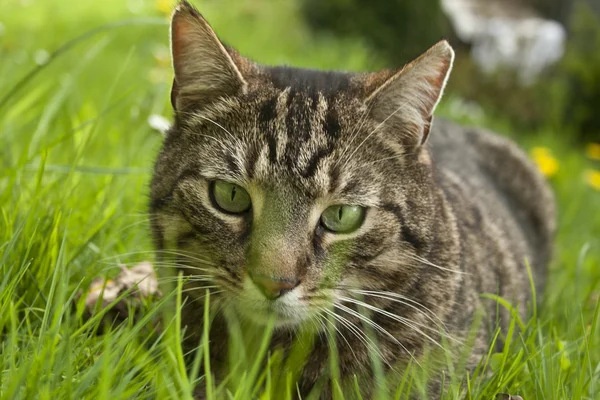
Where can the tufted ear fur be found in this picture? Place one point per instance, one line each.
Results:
(405, 101)
(204, 69)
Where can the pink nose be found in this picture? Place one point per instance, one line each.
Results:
(273, 287)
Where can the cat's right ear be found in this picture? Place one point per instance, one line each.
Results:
(204, 69)
(405, 100)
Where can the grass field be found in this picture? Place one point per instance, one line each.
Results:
(75, 158)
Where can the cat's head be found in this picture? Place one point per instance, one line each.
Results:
(285, 190)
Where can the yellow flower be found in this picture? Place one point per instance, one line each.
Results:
(164, 6)
(592, 150)
(593, 178)
(547, 164)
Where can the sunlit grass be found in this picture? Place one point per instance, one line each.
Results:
(75, 158)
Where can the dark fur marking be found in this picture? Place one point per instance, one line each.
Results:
(367, 257)
(272, 145)
(189, 173)
(318, 242)
(331, 124)
(334, 179)
(268, 111)
(251, 158)
(313, 162)
(289, 118)
(302, 264)
(157, 204)
(297, 125)
(300, 112)
(185, 238)
(314, 98)
(409, 236)
(231, 164)
(407, 233)
(351, 186)
(308, 80)
(266, 114)
(244, 237)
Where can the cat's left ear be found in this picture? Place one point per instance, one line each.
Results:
(204, 69)
(405, 100)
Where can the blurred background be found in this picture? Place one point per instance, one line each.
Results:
(84, 88)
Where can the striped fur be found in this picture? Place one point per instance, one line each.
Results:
(446, 219)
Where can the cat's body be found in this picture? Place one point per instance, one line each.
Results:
(419, 229)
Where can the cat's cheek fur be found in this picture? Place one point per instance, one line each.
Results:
(173, 228)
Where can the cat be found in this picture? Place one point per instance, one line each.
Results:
(294, 195)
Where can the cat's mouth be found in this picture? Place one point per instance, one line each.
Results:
(288, 310)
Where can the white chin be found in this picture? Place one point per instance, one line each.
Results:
(287, 311)
(265, 312)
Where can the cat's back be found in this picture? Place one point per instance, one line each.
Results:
(490, 176)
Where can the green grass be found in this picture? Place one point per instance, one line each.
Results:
(75, 159)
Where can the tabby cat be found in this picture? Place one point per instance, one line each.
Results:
(296, 196)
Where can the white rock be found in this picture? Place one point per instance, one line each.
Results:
(507, 34)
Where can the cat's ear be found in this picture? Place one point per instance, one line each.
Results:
(405, 100)
(204, 69)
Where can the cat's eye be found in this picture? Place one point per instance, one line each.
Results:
(343, 218)
(230, 198)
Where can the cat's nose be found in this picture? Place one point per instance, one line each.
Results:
(274, 287)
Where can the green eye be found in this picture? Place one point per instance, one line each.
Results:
(230, 197)
(343, 219)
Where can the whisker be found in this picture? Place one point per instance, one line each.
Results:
(402, 300)
(235, 139)
(137, 223)
(354, 134)
(365, 165)
(430, 315)
(180, 253)
(193, 278)
(402, 320)
(182, 266)
(203, 134)
(366, 340)
(373, 131)
(427, 262)
(376, 326)
(195, 289)
(337, 330)
(139, 214)
(213, 301)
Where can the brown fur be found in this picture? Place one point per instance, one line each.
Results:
(446, 219)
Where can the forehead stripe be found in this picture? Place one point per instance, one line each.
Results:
(313, 162)
(331, 124)
(266, 115)
(280, 126)
(325, 146)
